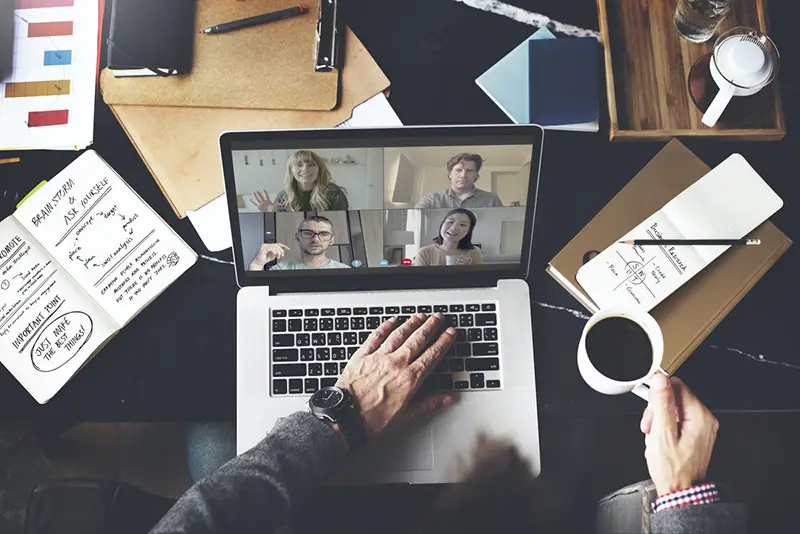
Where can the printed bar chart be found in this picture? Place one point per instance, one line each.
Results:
(48, 118)
(28, 89)
(57, 57)
(38, 4)
(50, 29)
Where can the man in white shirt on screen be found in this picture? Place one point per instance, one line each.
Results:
(314, 237)
(463, 170)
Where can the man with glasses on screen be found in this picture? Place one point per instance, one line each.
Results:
(463, 170)
(314, 236)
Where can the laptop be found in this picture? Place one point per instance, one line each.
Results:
(337, 230)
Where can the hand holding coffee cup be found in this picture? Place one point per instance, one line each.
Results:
(620, 350)
(457, 259)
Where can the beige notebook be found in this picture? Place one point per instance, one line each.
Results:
(694, 309)
(263, 67)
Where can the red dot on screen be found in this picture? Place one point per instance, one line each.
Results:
(406, 261)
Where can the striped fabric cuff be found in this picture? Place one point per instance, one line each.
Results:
(701, 494)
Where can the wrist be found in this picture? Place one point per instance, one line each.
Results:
(672, 486)
(704, 493)
(337, 431)
(256, 266)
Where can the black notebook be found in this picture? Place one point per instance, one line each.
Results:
(151, 37)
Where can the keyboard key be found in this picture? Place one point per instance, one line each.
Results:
(279, 386)
(283, 340)
(350, 338)
(327, 382)
(461, 384)
(338, 353)
(492, 383)
(441, 308)
(451, 352)
(295, 313)
(385, 318)
(430, 385)
(331, 369)
(463, 350)
(373, 323)
(483, 364)
(456, 365)
(323, 354)
(295, 325)
(314, 369)
(289, 369)
(328, 312)
(465, 319)
(362, 337)
(342, 323)
(295, 385)
(486, 319)
(488, 307)
(475, 334)
(351, 351)
(441, 367)
(312, 385)
(490, 334)
(279, 325)
(326, 324)
(425, 309)
(461, 335)
(408, 310)
(342, 311)
(402, 318)
(485, 349)
(451, 320)
(314, 312)
(342, 365)
(310, 325)
(318, 339)
(476, 381)
(445, 381)
(360, 311)
(376, 310)
(285, 355)
(473, 307)
(392, 310)
(456, 308)
(335, 338)
(279, 313)
(306, 355)
(357, 323)
(303, 340)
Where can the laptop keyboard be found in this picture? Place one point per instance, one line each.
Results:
(311, 346)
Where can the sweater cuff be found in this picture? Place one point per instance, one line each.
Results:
(700, 494)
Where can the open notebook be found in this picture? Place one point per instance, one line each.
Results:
(78, 260)
(727, 203)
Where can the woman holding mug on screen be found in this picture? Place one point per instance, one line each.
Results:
(453, 245)
(308, 186)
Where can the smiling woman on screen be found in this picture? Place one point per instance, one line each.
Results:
(308, 186)
(453, 245)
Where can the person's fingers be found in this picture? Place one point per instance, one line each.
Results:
(662, 404)
(416, 342)
(284, 247)
(253, 202)
(422, 366)
(399, 336)
(647, 420)
(259, 196)
(378, 336)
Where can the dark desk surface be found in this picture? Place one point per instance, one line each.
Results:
(176, 361)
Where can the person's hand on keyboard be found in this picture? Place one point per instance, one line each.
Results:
(391, 365)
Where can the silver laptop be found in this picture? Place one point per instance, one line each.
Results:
(336, 230)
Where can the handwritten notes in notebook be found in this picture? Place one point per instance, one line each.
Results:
(727, 203)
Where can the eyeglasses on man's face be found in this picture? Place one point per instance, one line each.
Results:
(310, 234)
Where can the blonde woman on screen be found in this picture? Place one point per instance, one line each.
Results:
(308, 186)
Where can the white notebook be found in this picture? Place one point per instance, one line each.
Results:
(727, 203)
(78, 260)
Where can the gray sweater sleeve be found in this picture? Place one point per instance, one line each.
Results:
(253, 492)
(718, 518)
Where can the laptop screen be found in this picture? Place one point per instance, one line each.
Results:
(325, 201)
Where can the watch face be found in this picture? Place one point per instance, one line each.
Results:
(327, 398)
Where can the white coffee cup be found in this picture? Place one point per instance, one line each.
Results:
(452, 259)
(603, 384)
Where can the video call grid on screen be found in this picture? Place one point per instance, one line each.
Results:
(376, 207)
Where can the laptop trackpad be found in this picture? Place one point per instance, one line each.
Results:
(411, 450)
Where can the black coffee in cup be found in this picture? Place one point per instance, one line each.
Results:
(620, 349)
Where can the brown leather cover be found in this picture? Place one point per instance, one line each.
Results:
(263, 67)
(180, 145)
(687, 316)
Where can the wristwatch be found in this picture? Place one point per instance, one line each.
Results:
(336, 405)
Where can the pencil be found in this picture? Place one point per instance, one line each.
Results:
(693, 242)
(257, 20)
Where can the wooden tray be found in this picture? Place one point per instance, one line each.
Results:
(647, 66)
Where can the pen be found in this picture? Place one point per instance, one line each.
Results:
(257, 20)
(726, 242)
